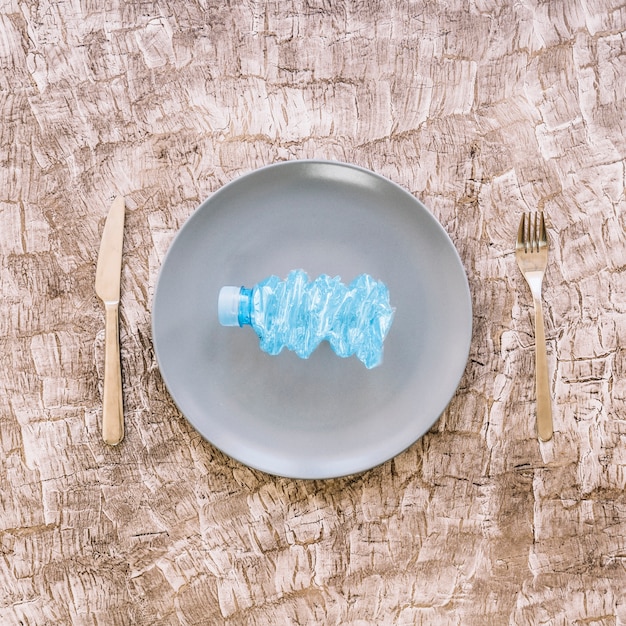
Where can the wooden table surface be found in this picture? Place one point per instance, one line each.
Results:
(480, 109)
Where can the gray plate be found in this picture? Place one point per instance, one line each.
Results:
(325, 416)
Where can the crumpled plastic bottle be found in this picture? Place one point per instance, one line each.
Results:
(299, 314)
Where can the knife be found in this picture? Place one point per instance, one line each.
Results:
(108, 277)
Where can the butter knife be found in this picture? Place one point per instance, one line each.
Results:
(108, 277)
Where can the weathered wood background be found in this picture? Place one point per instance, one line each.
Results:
(482, 109)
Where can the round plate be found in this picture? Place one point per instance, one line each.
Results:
(324, 416)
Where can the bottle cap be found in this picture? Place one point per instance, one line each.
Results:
(228, 306)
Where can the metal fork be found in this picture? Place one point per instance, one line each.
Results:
(531, 252)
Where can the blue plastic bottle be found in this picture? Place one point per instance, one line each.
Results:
(298, 314)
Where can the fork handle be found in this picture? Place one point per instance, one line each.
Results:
(544, 406)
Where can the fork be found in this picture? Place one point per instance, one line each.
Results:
(531, 252)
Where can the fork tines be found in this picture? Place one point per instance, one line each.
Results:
(532, 232)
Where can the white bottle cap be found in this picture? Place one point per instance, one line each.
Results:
(228, 306)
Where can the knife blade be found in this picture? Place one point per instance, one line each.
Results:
(108, 280)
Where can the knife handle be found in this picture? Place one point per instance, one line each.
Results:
(112, 407)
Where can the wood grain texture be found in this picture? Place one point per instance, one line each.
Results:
(482, 109)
